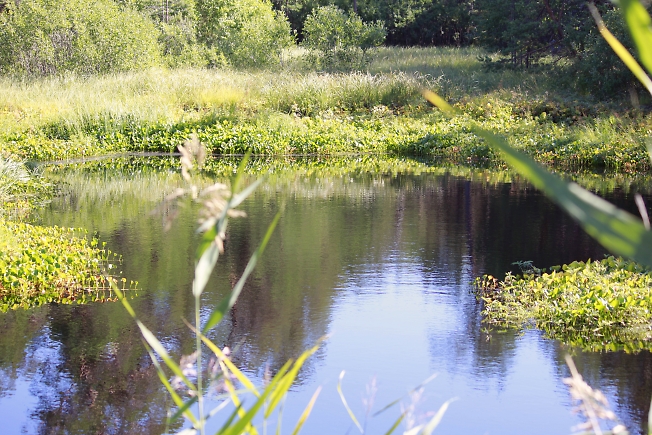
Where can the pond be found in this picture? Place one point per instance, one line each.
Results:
(380, 263)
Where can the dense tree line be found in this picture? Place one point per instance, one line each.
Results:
(40, 37)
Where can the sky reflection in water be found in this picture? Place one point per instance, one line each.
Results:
(381, 264)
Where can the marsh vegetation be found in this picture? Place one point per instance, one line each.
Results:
(387, 204)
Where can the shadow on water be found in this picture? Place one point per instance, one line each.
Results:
(380, 261)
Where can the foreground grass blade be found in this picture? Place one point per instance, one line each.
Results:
(286, 382)
(228, 302)
(306, 412)
(237, 198)
(244, 380)
(204, 268)
(245, 421)
(421, 385)
(434, 422)
(235, 398)
(152, 340)
(346, 405)
(617, 230)
(175, 397)
(649, 420)
(229, 421)
(235, 182)
(183, 409)
(621, 51)
(640, 27)
(395, 425)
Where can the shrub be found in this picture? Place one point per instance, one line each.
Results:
(598, 70)
(44, 37)
(338, 40)
(247, 32)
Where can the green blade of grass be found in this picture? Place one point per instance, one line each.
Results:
(229, 420)
(183, 409)
(164, 380)
(640, 27)
(434, 422)
(227, 303)
(395, 425)
(421, 385)
(218, 408)
(160, 351)
(237, 198)
(649, 420)
(245, 421)
(236, 399)
(151, 339)
(617, 230)
(235, 183)
(306, 412)
(280, 418)
(621, 51)
(204, 269)
(244, 380)
(286, 382)
(207, 239)
(346, 405)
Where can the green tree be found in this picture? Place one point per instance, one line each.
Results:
(337, 39)
(247, 32)
(526, 30)
(42, 37)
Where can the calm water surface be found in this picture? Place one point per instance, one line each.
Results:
(382, 264)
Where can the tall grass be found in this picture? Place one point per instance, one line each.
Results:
(393, 78)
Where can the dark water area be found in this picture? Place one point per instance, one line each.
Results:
(381, 264)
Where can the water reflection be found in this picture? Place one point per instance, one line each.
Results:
(381, 263)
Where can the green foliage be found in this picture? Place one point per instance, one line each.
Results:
(598, 70)
(39, 265)
(21, 189)
(427, 23)
(44, 37)
(600, 305)
(526, 30)
(248, 33)
(339, 40)
(616, 229)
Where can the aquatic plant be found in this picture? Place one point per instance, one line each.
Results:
(39, 265)
(596, 305)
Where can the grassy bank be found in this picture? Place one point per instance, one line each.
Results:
(599, 305)
(298, 111)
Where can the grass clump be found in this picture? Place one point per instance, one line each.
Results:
(599, 305)
(39, 265)
(21, 189)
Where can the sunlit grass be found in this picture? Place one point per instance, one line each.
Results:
(297, 110)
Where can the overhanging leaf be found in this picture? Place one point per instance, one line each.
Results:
(640, 27)
(204, 268)
(621, 51)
